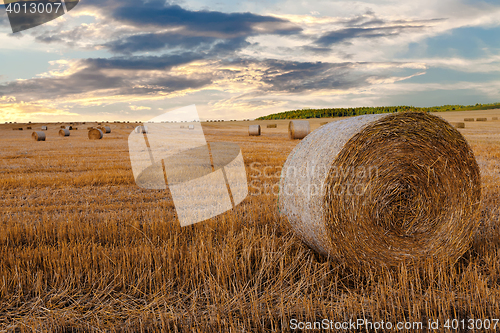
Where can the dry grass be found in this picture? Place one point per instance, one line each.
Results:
(84, 249)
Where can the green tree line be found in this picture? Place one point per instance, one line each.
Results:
(346, 112)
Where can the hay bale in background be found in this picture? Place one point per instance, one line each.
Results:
(191, 127)
(141, 129)
(353, 191)
(38, 136)
(468, 119)
(298, 129)
(64, 132)
(63, 127)
(95, 134)
(481, 119)
(494, 118)
(105, 129)
(254, 130)
(44, 128)
(29, 127)
(272, 126)
(458, 125)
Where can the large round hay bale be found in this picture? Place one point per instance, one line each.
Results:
(64, 132)
(95, 134)
(379, 190)
(481, 119)
(458, 125)
(38, 136)
(298, 129)
(254, 130)
(272, 126)
(468, 119)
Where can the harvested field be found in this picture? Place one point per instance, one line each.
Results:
(84, 249)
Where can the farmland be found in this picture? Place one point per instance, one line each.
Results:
(83, 248)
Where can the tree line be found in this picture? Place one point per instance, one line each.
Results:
(346, 112)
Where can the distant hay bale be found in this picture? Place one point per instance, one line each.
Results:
(468, 119)
(105, 129)
(494, 118)
(64, 132)
(380, 190)
(191, 127)
(63, 127)
(38, 136)
(272, 126)
(458, 125)
(298, 129)
(95, 134)
(141, 129)
(29, 127)
(44, 128)
(254, 130)
(481, 119)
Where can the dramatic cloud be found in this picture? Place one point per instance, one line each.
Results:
(144, 56)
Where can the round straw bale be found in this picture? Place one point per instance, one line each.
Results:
(272, 126)
(298, 129)
(38, 136)
(141, 129)
(44, 128)
(468, 119)
(64, 132)
(105, 129)
(254, 130)
(481, 119)
(29, 127)
(95, 134)
(494, 118)
(379, 190)
(191, 127)
(458, 125)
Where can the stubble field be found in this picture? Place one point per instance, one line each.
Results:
(82, 248)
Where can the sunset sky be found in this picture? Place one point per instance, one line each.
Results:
(134, 60)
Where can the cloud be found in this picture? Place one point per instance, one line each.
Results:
(158, 14)
(347, 34)
(139, 108)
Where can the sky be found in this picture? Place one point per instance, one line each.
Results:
(124, 60)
